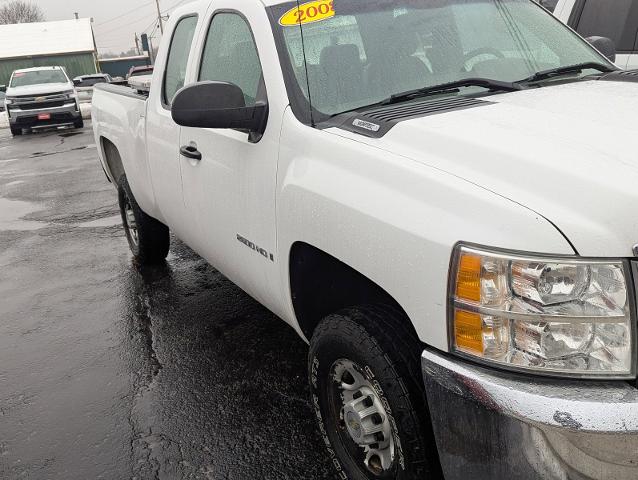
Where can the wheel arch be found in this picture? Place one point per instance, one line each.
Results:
(112, 159)
(321, 284)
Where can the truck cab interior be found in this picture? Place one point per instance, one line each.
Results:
(371, 52)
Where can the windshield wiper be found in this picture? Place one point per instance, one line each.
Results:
(488, 83)
(557, 72)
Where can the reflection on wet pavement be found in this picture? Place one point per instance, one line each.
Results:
(12, 213)
(108, 370)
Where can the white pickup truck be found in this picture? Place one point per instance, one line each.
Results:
(434, 193)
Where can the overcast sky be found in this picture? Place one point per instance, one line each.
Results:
(115, 21)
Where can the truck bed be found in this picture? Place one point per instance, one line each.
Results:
(119, 118)
(124, 88)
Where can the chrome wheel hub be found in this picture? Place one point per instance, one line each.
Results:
(363, 417)
(131, 224)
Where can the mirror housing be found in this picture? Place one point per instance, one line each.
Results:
(3, 88)
(218, 105)
(604, 45)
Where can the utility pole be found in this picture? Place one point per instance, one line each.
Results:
(137, 44)
(77, 15)
(151, 55)
(159, 16)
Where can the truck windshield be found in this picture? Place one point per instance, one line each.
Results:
(37, 77)
(355, 53)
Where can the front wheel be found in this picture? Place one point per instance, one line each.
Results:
(148, 238)
(368, 397)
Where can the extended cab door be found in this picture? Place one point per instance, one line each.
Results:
(230, 192)
(162, 132)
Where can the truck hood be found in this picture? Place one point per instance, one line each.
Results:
(567, 152)
(42, 89)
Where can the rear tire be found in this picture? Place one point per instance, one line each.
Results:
(79, 123)
(148, 238)
(366, 358)
(16, 131)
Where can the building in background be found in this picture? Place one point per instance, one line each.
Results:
(68, 43)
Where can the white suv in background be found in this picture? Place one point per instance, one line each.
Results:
(41, 97)
(617, 20)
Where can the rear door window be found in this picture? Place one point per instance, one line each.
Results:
(180, 48)
(617, 20)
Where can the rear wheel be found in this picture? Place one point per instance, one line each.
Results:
(365, 377)
(16, 131)
(148, 238)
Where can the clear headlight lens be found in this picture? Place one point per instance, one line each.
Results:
(564, 316)
(8, 101)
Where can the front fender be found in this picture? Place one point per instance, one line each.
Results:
(392, 219)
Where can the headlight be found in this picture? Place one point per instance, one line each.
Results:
(69, 94)
(8, 100)
(564, 316)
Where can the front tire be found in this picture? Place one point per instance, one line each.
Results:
(367, 392)
(148, 238)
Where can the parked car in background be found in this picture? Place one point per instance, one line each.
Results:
(42, 97)
(2, 95)
(84, 85)
(137, 71)
(617, 20)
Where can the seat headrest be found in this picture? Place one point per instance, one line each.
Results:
(340, 56)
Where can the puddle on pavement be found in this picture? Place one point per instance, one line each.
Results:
(12, 211)
(113, 221)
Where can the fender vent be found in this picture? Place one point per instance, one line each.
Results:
(621, 76)
(378, 121)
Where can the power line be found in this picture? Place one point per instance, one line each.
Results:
(154, 24)
(124, 25)
(123, 14)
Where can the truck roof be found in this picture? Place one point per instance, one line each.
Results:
(205, 3)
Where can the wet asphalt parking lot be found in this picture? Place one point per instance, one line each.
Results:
(111, 371)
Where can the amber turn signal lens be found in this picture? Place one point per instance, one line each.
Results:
(468, 278)
(468, 331)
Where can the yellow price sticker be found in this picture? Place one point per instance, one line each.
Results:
(308, 13)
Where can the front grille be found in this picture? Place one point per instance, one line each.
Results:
(40, 105)
(48, 96)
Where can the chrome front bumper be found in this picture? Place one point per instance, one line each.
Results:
(67, 113)
(492, 425)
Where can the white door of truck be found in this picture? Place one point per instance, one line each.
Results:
(231, 190)
(162, 132)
